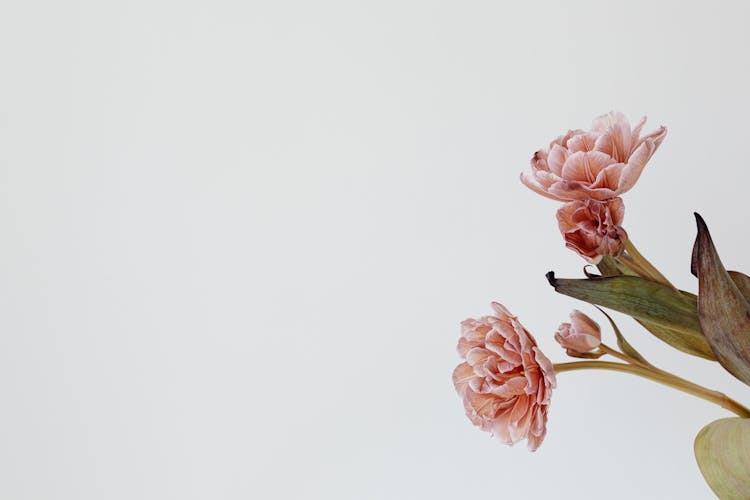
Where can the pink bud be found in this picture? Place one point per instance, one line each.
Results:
(581, 335)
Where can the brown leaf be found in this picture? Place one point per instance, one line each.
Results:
(723, 311)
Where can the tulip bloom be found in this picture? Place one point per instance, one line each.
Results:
(505, 382)
(592, 228)
(600, 164)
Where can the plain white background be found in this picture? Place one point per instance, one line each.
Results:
(238, 239)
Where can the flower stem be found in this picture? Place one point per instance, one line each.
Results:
(605, 349)
(638, 263)
(661, 377)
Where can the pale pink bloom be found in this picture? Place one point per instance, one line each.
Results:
(593, 228)
(601, 164)
(581, 335)
(505, 382)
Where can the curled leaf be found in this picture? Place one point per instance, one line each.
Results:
(666, 312)
(722, 449)
(622, 343)
(723, 311)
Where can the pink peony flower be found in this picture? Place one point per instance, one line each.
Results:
(581, 335)
(505, 382)
(601, 164)
(592, 228)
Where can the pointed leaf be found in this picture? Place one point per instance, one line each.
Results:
(723, 311)
(622, 343)
(689, 295)
(669, 314)
(722, 449)
(697, 346)
(743, 283)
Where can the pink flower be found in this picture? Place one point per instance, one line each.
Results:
(579, 336)
(592, 228)
(601, 164)
(505, 382)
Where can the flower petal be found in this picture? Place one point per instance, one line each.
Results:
(584, 167)
(582, 324)
(582, 142)
(632, 171)
(615, 135)
(531, 183)
(556, 159)
(462, 376)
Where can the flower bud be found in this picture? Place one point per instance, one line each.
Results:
(581, 335)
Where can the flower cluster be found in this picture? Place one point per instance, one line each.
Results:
(588, 171)
(504, 380)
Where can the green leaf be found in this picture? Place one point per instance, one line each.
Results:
(722, 449)
(669, 314)
(622, 343)
(723, 311)
(697, 346)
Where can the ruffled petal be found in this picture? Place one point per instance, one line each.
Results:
(462, 376)
(584, 167)
(657, 136)
(582, 142)
(632, 171)
(531, 183)
(615, 135)
(578, 191)
(556, 159)
(637, 132)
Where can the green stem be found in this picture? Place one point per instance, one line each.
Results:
(605, 349)
(661, 377)
(638, 263)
